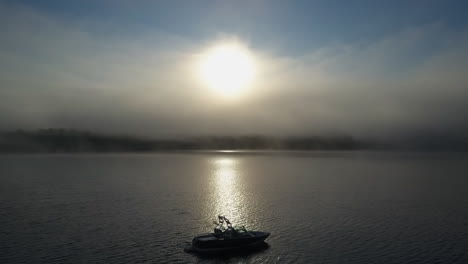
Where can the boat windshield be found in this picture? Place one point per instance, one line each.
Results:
(240, 229)
(224, 225)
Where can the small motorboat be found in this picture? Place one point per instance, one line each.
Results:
(226, 238)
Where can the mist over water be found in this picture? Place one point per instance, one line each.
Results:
(320, 207)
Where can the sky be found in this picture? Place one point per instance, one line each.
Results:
(362, 68)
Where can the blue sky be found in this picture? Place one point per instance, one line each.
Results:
(290, 27)
(365, 68)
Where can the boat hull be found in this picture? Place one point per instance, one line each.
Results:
(217, 246)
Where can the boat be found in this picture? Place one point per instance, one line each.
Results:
(226, 237)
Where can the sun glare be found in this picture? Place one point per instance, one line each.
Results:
(227, 68)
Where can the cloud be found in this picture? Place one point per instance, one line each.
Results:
(378, 88)
(76, 74)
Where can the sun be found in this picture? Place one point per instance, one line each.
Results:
(227, 68)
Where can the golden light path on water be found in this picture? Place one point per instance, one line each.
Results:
(228, 196)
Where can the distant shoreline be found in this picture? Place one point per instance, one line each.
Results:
(74, 141)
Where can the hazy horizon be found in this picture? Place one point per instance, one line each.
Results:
(366, 70)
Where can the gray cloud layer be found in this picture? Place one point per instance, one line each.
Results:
(56, 73)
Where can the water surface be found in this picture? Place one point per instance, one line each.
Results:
(321, 207)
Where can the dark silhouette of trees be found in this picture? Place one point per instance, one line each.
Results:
(67, 140)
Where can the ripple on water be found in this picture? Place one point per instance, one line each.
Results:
(338, 209)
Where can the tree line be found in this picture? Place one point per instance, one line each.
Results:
(67, 140)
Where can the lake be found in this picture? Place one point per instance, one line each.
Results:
(320, 207)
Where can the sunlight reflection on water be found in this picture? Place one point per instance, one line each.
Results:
(226, 183)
